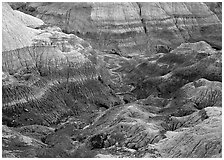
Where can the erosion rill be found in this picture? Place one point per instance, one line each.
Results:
(140, 80)
(50, 86)
(134, 27)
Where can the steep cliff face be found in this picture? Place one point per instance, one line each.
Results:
(174, 23)
(135, 27)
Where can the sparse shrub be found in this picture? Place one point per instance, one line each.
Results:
(97, 141)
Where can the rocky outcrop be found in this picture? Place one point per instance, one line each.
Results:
(62, 98)
(134, 130)
(156, 131)
(175, 23)
(52, 76)
(179, 68)
(202, 140)
(134, 27)
(163, 74)
(203, 93)
(14, 144)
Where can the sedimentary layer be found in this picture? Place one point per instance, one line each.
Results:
(62, 98)
(134, 27)
(51, 76)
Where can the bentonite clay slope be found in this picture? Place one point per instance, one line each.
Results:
(132, 26)
(151, 127)
(15, 144)
(155, 130)
(163, 73)
(55, 76)
(60, 96)
(15, 34)
(202, 140)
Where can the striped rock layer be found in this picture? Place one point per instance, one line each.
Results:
(134, 27)
(51, 87)
(49, 77)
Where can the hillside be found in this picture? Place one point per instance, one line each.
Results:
(111, 80)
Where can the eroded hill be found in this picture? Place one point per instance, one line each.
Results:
(63, 96)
